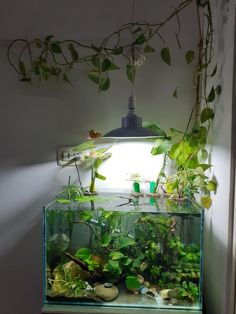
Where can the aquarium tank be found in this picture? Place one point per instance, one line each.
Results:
(123, 251)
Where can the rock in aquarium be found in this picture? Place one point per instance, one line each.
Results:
(106, 292)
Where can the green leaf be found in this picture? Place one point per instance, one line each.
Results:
(99, 176)
(165, 55)
(56, 48)
(104, 84)
(114, 67)
(21, 66)
(154, 126)
(211, 186)
(83, 253)
(117, 51)
(202, 134)
(73, 52)
(203, 154)
(83, 146)
(106, 64)
(132, 282)
(106, 239)
(116, 255)
(214, 71)
(86, 214)
(48, 39)
(113, 267)
(204, 166)
(218, 89)
(63, 201)
(130, 72)
(38, 43)
(94, 76)
(206, 201)
(148, 49)
(160, 147)
(174, 151)
(96, 61)
(207, 114)
(125, 241)
(189, 56)
(140, 40)
(211, 95)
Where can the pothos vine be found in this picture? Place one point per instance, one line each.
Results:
(39, 60)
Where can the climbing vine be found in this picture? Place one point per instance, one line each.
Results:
(39, 60)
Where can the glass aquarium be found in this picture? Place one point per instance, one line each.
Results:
(119, 250)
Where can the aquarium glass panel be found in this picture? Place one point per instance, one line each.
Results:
(126, 251)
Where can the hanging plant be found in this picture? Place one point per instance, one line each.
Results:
(43, 59)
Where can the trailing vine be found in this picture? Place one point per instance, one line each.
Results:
(41, 59)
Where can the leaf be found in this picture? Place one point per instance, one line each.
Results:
(218, 89)
(21, 66)
(214, 71)
(47, 39)
(189, 56)
(132, 282)
(130, 72)
(104, 83)
(73, 52)
(63, 201)
(38, 43)
(211, 95)
(160, 147)
(211, 186)
(99, 176)
(106, 239)
(165, 55)
(203, 154)
(154, 126)
(125, 241)
(83, 253)
(174, 151)
(113, 267)
(117, 51)
(106, 64)
(96, 61)
(207, 114)
(175, 93)
(56, 48)
(116, 255)
(148, 49)
(83, 146)
(206, 201)
(140, 40)
(94, 76)
(114, 67)
(204, 166)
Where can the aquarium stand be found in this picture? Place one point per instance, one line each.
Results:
(71, 309)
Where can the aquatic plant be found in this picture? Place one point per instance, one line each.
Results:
(93, 158)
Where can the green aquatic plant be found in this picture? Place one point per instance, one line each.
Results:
(92, 157)
(65, 283)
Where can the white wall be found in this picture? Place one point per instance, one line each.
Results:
(33, 121)
(217, 218)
